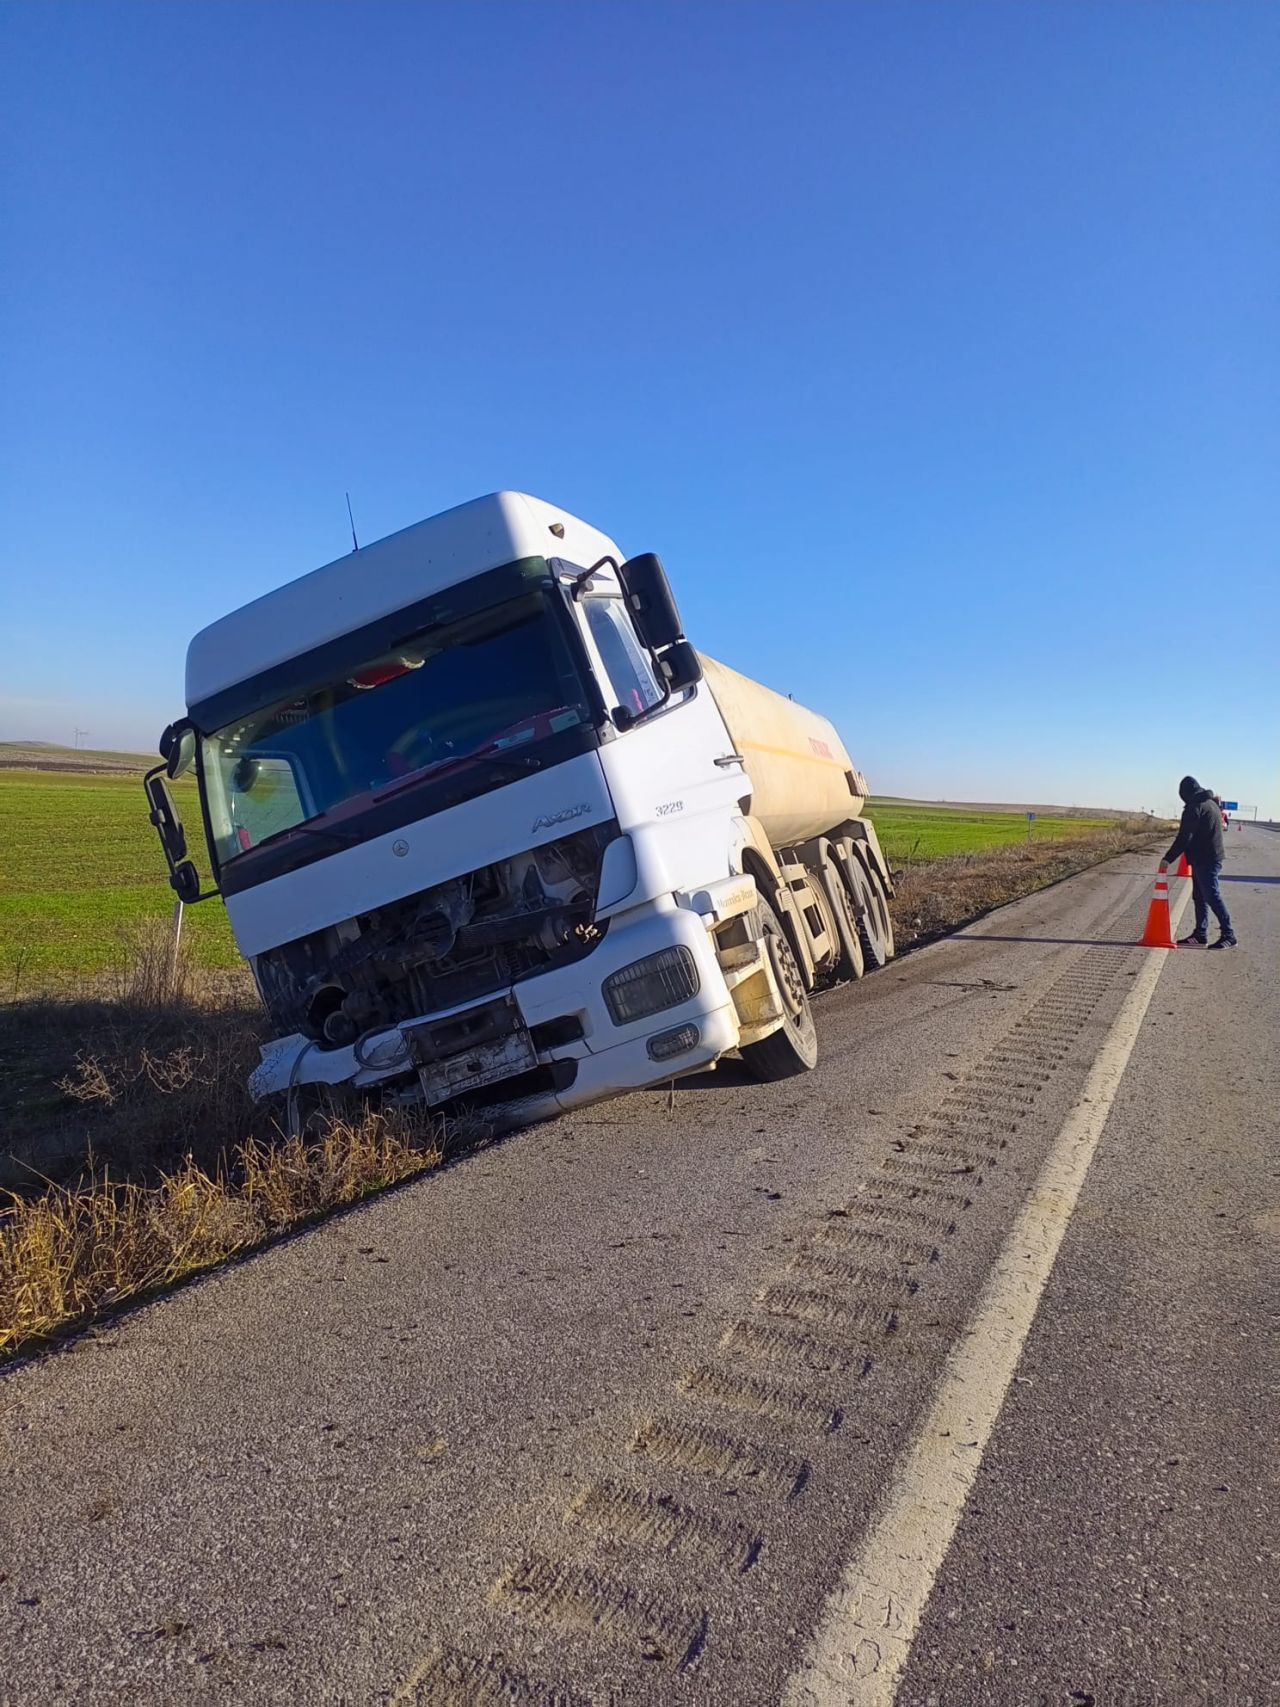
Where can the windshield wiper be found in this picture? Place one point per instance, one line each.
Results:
(343, 838)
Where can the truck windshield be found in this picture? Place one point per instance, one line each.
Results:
(461, 705)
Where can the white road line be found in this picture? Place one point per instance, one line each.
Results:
(863, 1641)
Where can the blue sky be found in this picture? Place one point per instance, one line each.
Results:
(935, 348)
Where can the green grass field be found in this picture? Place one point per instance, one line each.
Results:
(911, 831)
(80, 867)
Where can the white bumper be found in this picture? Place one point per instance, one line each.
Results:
(607, 1059)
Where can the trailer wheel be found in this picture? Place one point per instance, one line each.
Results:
(793, 1048)
(874, 924)
(882, 896)
(851, 963)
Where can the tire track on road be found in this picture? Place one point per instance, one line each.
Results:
(834, 1310)
(864, 1639)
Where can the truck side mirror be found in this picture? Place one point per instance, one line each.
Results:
(164, 815)
(681, 666)
(184, 879)
(650, 601)
(178, 748)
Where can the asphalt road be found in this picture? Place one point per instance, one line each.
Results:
(604, 1414)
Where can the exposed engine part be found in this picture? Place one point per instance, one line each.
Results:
(457, 942)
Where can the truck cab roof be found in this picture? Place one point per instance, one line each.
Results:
(381, 578)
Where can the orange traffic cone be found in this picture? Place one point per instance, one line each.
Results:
(1158, 933)
(1184, 870)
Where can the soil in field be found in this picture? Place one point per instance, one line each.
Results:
(45, 756)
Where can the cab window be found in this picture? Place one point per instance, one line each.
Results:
(631, 673)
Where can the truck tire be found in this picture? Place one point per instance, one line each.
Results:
(851, 963)
(793, 1048)
(874, 924)
(886, 917)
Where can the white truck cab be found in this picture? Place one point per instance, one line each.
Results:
(486, 825)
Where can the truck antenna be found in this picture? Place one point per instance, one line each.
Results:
(355, 543)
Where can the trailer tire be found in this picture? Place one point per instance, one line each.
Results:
(793, 1048)
(874, 924)
(852, 962)
(886, 917)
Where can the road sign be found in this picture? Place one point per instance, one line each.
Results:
(1031, 817)
(1230, 805)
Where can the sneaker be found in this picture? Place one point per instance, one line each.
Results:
(1225, 942)
(1193, 941)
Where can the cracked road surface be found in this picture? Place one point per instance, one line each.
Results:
(601, 1414)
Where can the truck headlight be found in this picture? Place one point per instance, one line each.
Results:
(647, 986)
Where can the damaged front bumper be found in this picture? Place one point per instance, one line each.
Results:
(553, 1038)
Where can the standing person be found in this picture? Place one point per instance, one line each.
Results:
(1200, 838)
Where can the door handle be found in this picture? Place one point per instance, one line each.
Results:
(731, 759)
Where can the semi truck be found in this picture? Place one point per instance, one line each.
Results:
(487, 826)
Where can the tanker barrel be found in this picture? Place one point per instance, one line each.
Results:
(803, 782)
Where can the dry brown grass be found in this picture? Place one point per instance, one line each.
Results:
(940, 895)
(137, 1155)
(132, 1070)
(76, 1250)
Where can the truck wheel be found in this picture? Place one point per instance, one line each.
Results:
(874, 925)
(793, 1048)
(851, 963)
(886, 917)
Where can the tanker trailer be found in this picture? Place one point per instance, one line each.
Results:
(823, 880)
(486, 825)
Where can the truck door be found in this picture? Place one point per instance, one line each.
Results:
(673, 774)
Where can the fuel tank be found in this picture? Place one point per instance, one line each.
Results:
(803, 782)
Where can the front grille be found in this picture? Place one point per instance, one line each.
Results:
(457, 942)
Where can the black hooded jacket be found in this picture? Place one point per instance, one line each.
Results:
(1200, 832)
